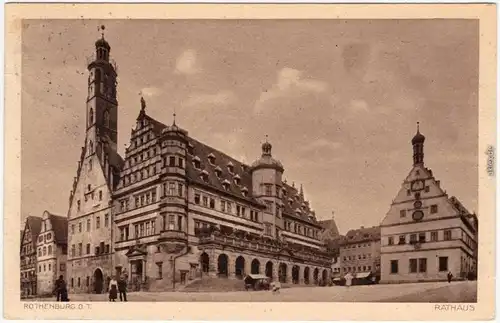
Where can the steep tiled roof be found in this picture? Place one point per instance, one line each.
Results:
(35, 224)
(331, 227)
(221, 162)
(60, 227)
(362, 234)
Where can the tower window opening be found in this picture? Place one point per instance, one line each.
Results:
(91, 116)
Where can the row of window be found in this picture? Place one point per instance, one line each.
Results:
(47, 237)
(419, 265)
(99, 250)
(28, 274)
(27, 249)
(62, 267)
(434, 210)
(89, 227)
(426, 190)
(359, 257)
(357, 245)
(357, 269)
(301, 229)
(139, 175)
(227, 207)
(45, 251)
(143, 229)
(87, 195)
(434, 236)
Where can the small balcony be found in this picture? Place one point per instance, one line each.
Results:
(173, 235)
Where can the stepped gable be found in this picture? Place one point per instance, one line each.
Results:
(221, 162)
(361, 235)
(60, 227)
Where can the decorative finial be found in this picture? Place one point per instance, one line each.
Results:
(267, 138)
(301, 191)
(101, 29)
(143, 104)
(418, 126)
(174, 116)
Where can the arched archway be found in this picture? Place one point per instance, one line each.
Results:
(98, 281)
(282, 272)
(295, 274)
(222, 262)
(306, 275)
(315, 276)
(255, 266)
(324, 276)
(204, 262)
(239, 267)
(269, 269)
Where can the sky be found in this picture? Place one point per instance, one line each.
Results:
(338, 99)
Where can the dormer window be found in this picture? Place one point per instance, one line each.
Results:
(244, 168)
(226, 184)
(218, 171)
(244, 191)
(211, 159)
(237, 179)
(190, 149)
(196, 162)
(230, 167)
(204, 175)
(89, 187)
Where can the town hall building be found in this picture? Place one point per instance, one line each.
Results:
(426, 234)
(175, 209)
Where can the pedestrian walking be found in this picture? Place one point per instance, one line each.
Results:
(122, 288)
(276, 286)
(450, 276)
(113, 289)
(348, 280)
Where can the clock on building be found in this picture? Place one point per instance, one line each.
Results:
(417, 185)
(417, 204)
(418, 215)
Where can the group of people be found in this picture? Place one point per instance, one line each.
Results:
(118, 286)
(115, 287)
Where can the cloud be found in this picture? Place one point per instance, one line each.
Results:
(187, 63)
(290, 81)
(151, 91)
(202, 99)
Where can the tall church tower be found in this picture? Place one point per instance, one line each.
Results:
(102, 106)
(90, 218)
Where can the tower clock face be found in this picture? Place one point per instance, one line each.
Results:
(417, 185)
(418, 215)
(417, 204)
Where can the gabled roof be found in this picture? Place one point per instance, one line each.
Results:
(330, 227)
(60, 228)
(362, 234)
(35, 225)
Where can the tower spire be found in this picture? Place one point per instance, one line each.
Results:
(418, 147)
(174, 117)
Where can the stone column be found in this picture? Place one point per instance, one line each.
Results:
(301, 275)
(276, 266)
(231, 264)
(289, 267)
(143, 270)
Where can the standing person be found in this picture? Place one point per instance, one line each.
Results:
(113, 289)
(122, 288)
(58, 288)
(450, 276)
(348, 279)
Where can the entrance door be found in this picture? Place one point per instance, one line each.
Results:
(98, 281)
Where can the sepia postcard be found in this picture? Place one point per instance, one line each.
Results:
(250, 162)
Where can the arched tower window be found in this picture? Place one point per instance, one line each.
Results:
(106, 118)
(91, 117)
(91, 147)
(98, 77)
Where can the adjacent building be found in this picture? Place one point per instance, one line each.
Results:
(28, 256)
(175, 209)
(360, 253)
(52, 252)
(426, 233)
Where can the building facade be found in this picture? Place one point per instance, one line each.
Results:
(426, 233)
(175, 209)
(28, 256)
(52, 252)
(90, 263)
(360, 253)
